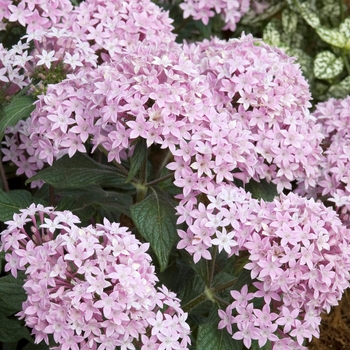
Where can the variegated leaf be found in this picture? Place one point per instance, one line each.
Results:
(345, 27)
(332, 36)
(309, 16)
(327, 65)
(271, 35)
(289, 20)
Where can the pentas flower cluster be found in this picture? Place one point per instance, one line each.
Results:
(90, 287)
(262, 129)
(56, 53)
(152, 93)
(264, 126)
(34, 15)
(45, 56)
(115, 25)
(334, 185)
(230, 11)
(224, 222)
(11, 70)
(299, 257)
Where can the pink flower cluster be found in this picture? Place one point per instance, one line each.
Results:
(334, 185)
(113, 26)
(11, 69)
(262, 128)
(34, 15)
(151, 93)
(300, 258)
(90, 287)
(239, 96)
(231, 11)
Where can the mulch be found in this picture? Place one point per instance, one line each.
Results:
(335, 328)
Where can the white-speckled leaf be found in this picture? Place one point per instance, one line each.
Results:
(332, 36)
(327, 65)
(271, 35)
(309, 16)
(289, 20)
(345, 27)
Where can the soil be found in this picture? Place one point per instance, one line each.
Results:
(335, 328)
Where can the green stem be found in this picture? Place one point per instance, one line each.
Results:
(212, 265)
(208, 294)
(142, 184)
(164, 162)
(199, 299)
(182, 25)
(155, 182)
(52, 196)
(3, 176)
(224, 286)
(222, 302)
(341, 10)
(118, 166)
(346, 62)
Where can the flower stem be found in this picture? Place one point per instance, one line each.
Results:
(212, 265)
(224, 286)
(221, 302)
(156, 181)
(346, 62)
(3, 176)
(341, 6)
(199, 299)
(164, 162)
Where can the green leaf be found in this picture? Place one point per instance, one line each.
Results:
(84, 202)
(305, 61)
(309, 16)
(193, 287)
(262, 190)
(12, 294)
(289, 21)
(252, 17)
(19, 108)
(155, 219)
(138, 157)
(345, 27)
(205, 29)
(345, 83)
(332, 36)
(327, 65)
(11, 202)
(211, 338)
(80, 171)
(271, 35)
(12, 330)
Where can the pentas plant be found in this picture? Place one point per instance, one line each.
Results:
(152, 93)
(113, 26)
(299, 258)
(90, 287)
(33, 15)
(185, 144)
(230, 11)
(334, 185)
(262, 130)
(11, 77)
